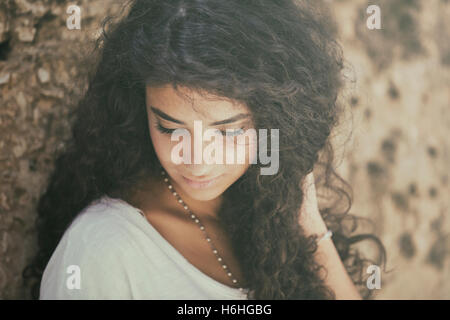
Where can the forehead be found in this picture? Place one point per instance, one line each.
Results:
(185, 104)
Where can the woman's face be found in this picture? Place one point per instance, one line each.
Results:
(167, 110)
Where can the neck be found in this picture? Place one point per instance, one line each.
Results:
(202, 209)
(156, 194)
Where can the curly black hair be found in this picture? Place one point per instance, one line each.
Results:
(280, 59)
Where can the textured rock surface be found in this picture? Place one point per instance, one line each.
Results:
(38, 64)
(397, 158)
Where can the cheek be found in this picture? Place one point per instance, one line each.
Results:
(252, 151)
(247, 150)
(233, 173)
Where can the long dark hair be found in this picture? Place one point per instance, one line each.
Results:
(277, 57)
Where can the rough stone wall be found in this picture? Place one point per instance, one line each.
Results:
(397, 157)
(39, 62)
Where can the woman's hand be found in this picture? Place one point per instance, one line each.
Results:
(310, 218)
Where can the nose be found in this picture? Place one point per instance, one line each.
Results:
(202, 170)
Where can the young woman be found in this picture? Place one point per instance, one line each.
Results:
(121, 219)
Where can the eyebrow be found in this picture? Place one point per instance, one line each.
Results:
(215, 123)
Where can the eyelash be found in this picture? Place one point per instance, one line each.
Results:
(165, 130)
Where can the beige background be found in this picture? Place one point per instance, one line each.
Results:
(394, 149)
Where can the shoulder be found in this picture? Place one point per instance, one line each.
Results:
(90, 261)
(99, 224)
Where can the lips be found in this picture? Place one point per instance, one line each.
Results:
(200, 184)
(198, 181)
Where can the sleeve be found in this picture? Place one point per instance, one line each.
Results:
(88, 270)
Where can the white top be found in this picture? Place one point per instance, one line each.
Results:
(120, 255)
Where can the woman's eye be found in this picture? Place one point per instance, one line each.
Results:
(232, 133)
(164, 129)
(227, 133)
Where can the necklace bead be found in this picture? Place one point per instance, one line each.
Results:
(197, 221)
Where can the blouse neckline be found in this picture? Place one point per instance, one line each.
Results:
(164, 243)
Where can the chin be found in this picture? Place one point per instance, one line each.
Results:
(203, 197)
(203, 194)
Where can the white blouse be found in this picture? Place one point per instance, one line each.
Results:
(110, 251)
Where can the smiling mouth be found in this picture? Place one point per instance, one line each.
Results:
(201, 184)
